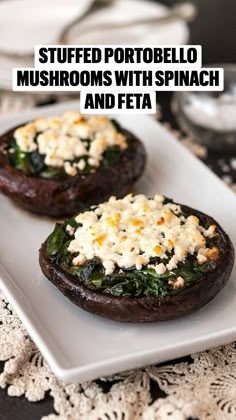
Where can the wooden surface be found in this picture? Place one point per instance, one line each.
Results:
(215, 30)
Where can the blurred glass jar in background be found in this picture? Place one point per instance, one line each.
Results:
(210, 117)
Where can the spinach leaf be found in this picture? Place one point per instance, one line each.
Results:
(55, 241)
(117, 126)
(72, 222)
(37, 162)
(75, 271)
(111, 155)
(127, 283)
(50, 172)
(18, 159)
(88, 268)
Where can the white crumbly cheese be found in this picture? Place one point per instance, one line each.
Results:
(132, 231)
(177, 283)
(69, 169)
(160, 268)
(81, 165)
(70, 230)
(24, 137)
(67, 139)
(79, 260)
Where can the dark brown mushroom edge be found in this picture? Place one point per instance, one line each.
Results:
(138, 260)
(57, 166)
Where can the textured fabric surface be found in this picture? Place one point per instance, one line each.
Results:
(202, 387)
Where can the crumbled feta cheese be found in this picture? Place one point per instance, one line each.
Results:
(177, 283)
(25, 136)
(201, 258)
(172, 264)
(72, 116)
(68, 137)
(81, 164)
(69, 169)
(79, 260)
(160, 268)
(210, 232)
(109, 267)
(81, 129)
(70, 230)
(92, 162)
(127, 232)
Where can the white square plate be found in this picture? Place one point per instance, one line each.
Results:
(79, 345)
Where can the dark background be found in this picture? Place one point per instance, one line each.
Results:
(215, 29)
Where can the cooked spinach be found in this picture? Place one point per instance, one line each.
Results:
(37, 161)
(55, 241)
(130, 283)
(19, 159)
(117, 126)
(110, 156)
(50, 172)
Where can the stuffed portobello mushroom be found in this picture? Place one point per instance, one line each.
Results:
(57, 166)
(138, 259)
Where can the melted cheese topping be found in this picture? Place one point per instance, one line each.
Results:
(131, 231)
(71, 136)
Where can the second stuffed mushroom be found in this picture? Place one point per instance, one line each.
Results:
(59, 165)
